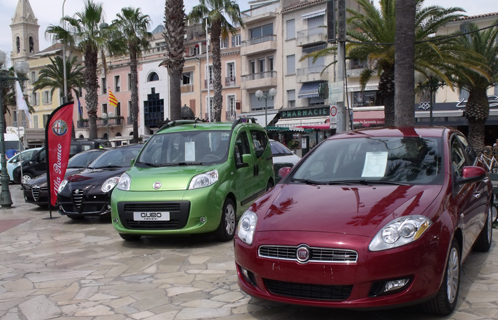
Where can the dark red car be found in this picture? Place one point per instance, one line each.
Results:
(373, 218)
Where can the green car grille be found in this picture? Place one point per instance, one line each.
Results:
(178, 211)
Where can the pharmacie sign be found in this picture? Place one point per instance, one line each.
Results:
(305, 113)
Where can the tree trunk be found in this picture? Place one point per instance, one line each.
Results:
(134, 94)
(217, 83)
(477, 112)
(175, 94)
(174, 34)
(404, 57)
(386, 91)
(92, 85)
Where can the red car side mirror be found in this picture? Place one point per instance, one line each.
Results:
(282, 172)
(472, 174)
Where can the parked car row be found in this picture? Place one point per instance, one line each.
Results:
(375, 218)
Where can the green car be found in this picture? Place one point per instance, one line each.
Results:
(193, 177)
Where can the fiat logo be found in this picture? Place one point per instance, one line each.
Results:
(157, 185)
(303, 253)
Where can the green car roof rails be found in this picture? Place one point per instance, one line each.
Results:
(242, 120)
(179, 122)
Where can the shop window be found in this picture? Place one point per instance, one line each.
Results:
(366, 99)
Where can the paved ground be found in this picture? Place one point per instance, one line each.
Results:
(62, 269)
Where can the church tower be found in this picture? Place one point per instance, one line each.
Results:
(24, 29)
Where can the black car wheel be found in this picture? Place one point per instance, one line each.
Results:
(446, 299)
(485, 238)
(129, 237)
(226, 229)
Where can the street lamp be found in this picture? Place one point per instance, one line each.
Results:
(106, 118)
(21, 68)
(432, 84)
(265, 96)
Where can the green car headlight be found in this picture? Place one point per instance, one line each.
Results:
(61, 186)
(247, 226)
(204, 180)
(399, 232)
(109, 184)
(124, 182)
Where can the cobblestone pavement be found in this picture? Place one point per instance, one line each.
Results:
(63, 269)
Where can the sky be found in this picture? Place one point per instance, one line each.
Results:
(49, 12)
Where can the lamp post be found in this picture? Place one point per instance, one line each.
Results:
(21, 68)
(265, 96)
(432, 84)
(106, 118)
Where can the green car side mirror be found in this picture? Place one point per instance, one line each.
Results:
(247, 159)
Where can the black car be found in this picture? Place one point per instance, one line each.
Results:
(37, 165)
(35, 190)
(88, 193)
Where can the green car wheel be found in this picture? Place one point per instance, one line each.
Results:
(226, 229)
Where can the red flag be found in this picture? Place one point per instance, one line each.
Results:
(58, 142)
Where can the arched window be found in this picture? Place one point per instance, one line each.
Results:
(153, 77)
(31, 45)
(18, 45)
(81, 136)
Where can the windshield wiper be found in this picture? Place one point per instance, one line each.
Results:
(106, 167)
(307, 181)
(150, 164)
(367, 182)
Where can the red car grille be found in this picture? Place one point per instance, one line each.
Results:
(308, 291)
(316, 254)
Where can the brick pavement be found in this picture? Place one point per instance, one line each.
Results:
(63, 269)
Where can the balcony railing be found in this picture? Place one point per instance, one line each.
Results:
(261, 75)
(230, 81)
(253, 41)
(187, 88)
(231, 115)
(313, 73)
(210, 83)
(82, 124)
(309, 36)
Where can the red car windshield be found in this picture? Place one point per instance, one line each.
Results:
(410, 160)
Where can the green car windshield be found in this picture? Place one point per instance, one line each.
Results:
(199, 147)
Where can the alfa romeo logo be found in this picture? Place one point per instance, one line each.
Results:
(59, 127)
(157, 185)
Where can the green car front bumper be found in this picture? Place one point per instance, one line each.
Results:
(190, 211)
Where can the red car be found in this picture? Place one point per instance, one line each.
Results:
(373, 218)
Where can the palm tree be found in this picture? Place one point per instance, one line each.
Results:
(378, 26)
(9, 95)
(135, 37)
(475, 83)
(85, 31)
(52, 76)
(174, 33)
(216, 13)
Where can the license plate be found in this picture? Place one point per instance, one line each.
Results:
(151, 216)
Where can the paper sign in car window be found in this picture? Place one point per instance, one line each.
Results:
(375, 165)
(190, 151)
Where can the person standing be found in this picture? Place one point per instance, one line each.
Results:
(10, 153)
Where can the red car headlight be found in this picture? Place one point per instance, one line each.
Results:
(399, 232)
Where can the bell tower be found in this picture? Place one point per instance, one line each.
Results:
(24, 29)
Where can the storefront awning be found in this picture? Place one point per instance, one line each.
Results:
(309, 90)
(313, 14)
(260, 119)
(368, 117)
(323, 126)
(298, 122)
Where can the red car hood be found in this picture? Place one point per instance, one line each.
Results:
(356, 209)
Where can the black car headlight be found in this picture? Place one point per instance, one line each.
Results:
(109, 184)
